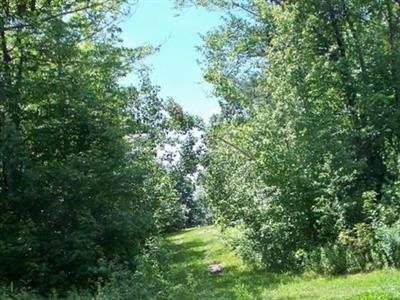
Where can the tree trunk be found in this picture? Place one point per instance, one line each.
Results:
(4, 81)
(393, 21)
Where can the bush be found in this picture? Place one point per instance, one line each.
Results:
(237, 238)
(386, 248)
(148, 281)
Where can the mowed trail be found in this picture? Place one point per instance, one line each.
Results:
(194, 250)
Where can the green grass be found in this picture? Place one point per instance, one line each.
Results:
(194, 249)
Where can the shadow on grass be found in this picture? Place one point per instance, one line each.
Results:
(186, 250)
(247, 283)
(193, 281)
(186, 260)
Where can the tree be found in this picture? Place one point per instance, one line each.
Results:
(78, 151)
(316, 129)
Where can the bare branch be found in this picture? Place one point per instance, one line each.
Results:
(241, 6)
(237, 148)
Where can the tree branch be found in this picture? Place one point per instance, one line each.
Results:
(49, 18)
(237, 148)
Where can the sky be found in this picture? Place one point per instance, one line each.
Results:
(174, 68)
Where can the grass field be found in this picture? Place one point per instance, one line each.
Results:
(193, 250)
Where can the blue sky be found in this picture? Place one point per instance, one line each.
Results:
(175, 67)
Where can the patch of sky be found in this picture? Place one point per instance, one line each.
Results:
(175, 66)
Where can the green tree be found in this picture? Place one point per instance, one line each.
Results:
(78, 151)
(309, 122)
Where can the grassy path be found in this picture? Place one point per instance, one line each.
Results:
(194, 249)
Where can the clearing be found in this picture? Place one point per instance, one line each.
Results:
(193, 250)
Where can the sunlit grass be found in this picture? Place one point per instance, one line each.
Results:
(194, 249)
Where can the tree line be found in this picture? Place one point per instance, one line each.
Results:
(300, 168)
(81, 181)
(310, 98)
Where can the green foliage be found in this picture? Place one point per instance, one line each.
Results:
(80, 182)
(171, 214)
(176, 268)
(302, 162)
(201, 211)
(185, 276)
(304, 155)
(183, 162)
(146, 282)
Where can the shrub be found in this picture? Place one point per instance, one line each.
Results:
(148, 281)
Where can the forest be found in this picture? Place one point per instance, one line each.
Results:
(111, 191)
